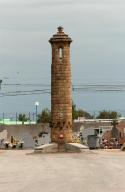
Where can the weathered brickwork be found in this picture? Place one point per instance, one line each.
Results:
(61, 96)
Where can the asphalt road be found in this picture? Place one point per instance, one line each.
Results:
(99, 171)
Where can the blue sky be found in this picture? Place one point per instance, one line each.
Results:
(97, 52)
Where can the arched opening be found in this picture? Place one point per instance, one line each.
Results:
(60, 54)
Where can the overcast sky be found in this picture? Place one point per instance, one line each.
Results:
(97, 28)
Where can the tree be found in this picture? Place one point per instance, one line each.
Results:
(108, 115)
(22, 117)
(45, 116)
(74, 112)
(79, 113)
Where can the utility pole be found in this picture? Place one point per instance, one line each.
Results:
(36, 105)
(0, 83)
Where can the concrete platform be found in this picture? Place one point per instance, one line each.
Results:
(55, 148)
(47, 148)
(76, 147)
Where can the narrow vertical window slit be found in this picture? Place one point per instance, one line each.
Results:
(60, 54)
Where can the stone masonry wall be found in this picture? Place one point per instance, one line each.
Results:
(61, 99)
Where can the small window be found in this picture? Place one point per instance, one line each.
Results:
(96, 131)
(60, 53)
(100, 131)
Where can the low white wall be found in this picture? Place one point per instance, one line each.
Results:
(27, 133)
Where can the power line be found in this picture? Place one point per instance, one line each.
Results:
(23, 93)
(75, 88)
(28, 92)
(74, 85)
(26, 84)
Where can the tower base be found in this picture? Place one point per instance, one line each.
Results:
(61, 148)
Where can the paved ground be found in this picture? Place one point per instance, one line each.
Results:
(101, 171)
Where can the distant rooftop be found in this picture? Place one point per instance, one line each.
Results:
(82, 119)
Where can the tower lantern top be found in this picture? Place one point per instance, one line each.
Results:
(60, 29)
(60, 36)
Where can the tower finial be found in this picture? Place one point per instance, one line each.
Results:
(60, 29)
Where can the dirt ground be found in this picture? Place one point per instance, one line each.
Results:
(94, 171)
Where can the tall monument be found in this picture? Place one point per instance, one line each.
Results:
(61, 88)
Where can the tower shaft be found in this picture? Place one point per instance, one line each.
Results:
(61, 95)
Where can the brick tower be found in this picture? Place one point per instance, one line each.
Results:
(61, 95)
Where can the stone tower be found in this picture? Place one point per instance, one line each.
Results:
(61, 94)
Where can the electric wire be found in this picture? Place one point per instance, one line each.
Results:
(47, 88)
